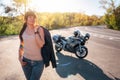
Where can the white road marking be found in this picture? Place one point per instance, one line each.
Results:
(94, 33)
(102, 36)
(111, 38)
(66, 64)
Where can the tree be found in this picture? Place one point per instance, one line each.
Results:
(117, 16)
(112, 14)
(20, 2)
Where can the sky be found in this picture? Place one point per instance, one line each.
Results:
(89, 7)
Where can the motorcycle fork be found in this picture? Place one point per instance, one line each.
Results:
(80, 48)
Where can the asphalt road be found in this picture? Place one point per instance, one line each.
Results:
(101, 63)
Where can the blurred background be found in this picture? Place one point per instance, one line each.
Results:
(54, 14)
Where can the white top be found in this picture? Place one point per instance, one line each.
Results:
(31, 49)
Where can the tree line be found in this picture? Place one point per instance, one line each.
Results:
(12, 25)
(58, 20)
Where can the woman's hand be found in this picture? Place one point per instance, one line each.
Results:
(21, 57)
(22, 62)
(36, 28)
(39, 36)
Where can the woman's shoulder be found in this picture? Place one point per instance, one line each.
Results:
(44, 28)
(40, 27)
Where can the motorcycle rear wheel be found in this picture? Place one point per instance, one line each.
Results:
(81, 54)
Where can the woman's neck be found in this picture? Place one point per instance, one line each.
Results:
(30, 29)
(30, 26)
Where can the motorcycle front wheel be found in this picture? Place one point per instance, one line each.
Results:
(83, 53)
(58, 47)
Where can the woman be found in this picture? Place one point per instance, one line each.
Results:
(36, 48)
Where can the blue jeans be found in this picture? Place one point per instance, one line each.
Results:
(33, 69)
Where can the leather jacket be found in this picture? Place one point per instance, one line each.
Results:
(47, 50)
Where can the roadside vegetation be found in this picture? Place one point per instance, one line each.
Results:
(12, 23)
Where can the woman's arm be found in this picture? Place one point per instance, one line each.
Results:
(21, 50)
(39, 36)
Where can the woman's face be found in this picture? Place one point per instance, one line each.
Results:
(31, 20)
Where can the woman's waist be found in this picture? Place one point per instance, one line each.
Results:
(31, 61)
(33, 56)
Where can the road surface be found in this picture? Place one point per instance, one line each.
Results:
(101, 63)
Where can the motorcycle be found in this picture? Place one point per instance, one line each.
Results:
(74, 44)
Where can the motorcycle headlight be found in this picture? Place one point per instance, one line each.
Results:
(87, 36)
(56, 38)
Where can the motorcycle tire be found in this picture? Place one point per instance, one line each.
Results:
(58, 49)
(81, 54)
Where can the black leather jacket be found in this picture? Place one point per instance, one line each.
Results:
(47, 50)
